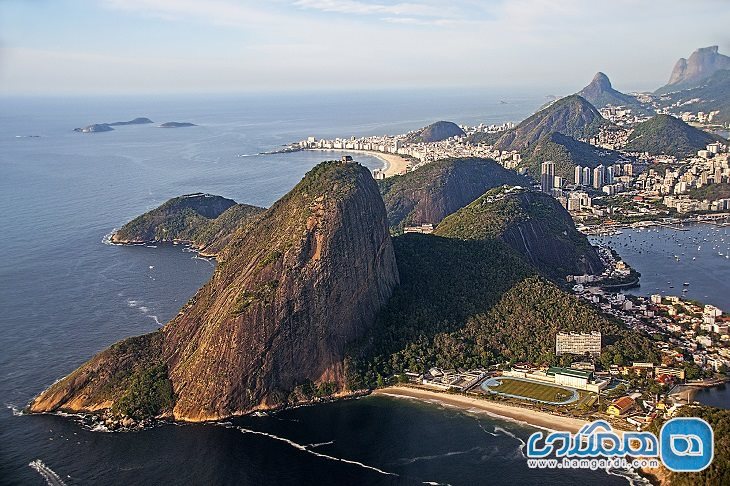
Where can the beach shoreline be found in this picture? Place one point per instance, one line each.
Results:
(393, 164)
(533, 418)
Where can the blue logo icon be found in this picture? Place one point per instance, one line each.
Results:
(687, 444)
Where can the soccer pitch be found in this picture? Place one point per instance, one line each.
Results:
(530, 390)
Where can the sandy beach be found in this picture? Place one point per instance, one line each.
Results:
(394, 163)
(532, 417)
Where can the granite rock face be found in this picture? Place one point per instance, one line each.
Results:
(289, 293)
(691, 72)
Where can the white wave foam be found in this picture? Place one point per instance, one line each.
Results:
(48, 474)
(154, 318)
(107, 239)
(207, 260)
(318, 454)
(16, 411)
(132, 303)
(486, 431)
(510, 434)
(319, 444)
(144, 309)
(412, 460)
(633, 477)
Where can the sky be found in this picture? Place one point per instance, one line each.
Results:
(221, 46)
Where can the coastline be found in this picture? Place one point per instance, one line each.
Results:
(533, 418)
(394, 164)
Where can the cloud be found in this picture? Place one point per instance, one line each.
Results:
(219, 12)
(362, 8)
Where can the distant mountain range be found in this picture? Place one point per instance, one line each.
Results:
(693, 72)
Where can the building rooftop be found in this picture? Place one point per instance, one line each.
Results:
(557, 370)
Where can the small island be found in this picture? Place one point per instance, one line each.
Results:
(95, 128)
(107, 127)
(177, 125)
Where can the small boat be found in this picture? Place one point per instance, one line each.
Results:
(686, 284)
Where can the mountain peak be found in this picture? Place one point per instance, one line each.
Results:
(289, 294)
(601, 80)
(691, 72)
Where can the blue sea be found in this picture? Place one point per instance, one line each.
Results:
(65, 294)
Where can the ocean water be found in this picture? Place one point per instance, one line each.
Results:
(667, 258)
(65, 295)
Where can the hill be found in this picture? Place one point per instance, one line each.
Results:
(203, 220)
(566, 152)
(441, 130)
(711, 192)
(287, 296)
(471, 303)
(600, 94)
(533, 224)
(432, 192)
(572, 116)
(692, 72)
(665, 134)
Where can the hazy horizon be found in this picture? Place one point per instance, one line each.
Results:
(119, 47)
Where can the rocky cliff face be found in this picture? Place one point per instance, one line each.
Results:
(287, 296)
(436, 190)
(532, 223)
(690, 73)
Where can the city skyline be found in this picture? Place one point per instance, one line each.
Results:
(152, 46)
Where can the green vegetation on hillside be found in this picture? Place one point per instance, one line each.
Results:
(201, 219)
(148, 393)
(471, 303)
(665, 134)
(711, 192)
(572, 116)
(436, 190)
(435, 132)
(533, 224)
(566, 152)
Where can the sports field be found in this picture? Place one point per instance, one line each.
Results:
(530, 390)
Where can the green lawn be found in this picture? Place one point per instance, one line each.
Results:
(536, 391)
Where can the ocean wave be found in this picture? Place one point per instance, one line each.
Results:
(411, 460)
(319, 444)
(155, 318)
(16, 411)
(52, 479)
(304, 448)
(506, 432)
(633, 477)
